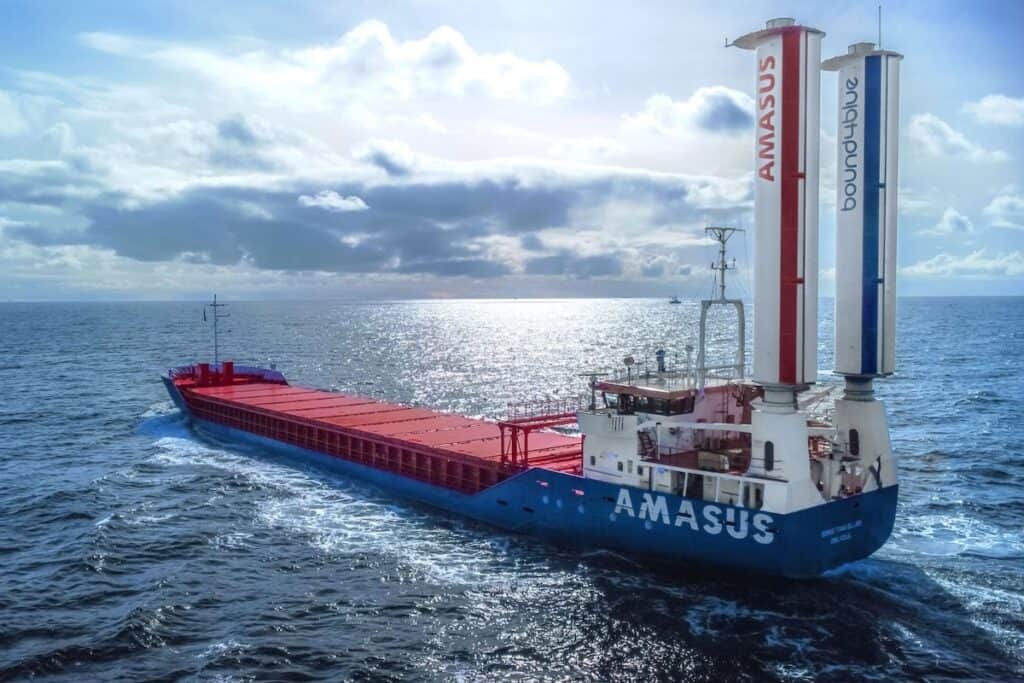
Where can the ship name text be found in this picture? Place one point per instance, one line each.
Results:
(713, 519)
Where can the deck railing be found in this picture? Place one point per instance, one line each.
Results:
(540, 409)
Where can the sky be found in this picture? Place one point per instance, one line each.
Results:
(368, 150)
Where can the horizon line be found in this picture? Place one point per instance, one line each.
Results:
(465, 298)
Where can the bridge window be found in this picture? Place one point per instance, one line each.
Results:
(656, 406)
(620, 465)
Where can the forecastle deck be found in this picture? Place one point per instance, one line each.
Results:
(446, 450)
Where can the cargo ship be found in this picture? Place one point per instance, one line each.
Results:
(697, 464)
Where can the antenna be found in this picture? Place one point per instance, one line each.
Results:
(629, 361)
(721, 234)
(879, 26)
(217, 315)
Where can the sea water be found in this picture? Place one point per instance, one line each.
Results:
(133, 549)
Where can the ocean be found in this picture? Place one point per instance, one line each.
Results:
(132, 549)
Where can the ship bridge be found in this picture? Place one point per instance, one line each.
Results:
(659, 394)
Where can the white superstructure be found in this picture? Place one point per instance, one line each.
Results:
(752, 443)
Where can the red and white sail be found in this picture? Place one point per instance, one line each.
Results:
(786, 201)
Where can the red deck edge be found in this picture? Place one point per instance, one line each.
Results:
(447, 450)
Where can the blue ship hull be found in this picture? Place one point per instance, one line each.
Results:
(570, 509)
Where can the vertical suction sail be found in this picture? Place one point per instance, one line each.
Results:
(866, 206)
(786, 202)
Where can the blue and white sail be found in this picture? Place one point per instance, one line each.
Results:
(866, 209)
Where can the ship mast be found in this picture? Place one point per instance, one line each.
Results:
(217, 315)
(721, 234)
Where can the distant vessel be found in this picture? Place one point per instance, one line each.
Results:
(675, 300)
(690, 464)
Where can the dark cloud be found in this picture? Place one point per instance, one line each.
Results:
(531, 242)
(48, 183)
(569, 264)
(243, 144)
(653, 269)
(721, 113)
(44, 237)
(504, 204)
(226, 230)
(237, 129)
(410, 227)
(393, 160)
(271, 231)
(478, 268)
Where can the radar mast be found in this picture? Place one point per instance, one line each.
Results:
(217, 315)
(737, 368)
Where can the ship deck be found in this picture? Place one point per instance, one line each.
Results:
(260, 407)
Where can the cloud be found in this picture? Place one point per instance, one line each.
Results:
(391, 156)
(714, 109)
(434, 219)
(655, 267)
(977, 264)
(1006, 210)
(531, 242)
(10, 223)
(61, 138)
(952, 222)
(154, 161)
(998, 110)
(193, 185)
(586, 149)
(330, 200)
(913, 202)
(566, 263)
(114, 44)
(12, 122)
(458, 267)
(939, 139)
(365, 59)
